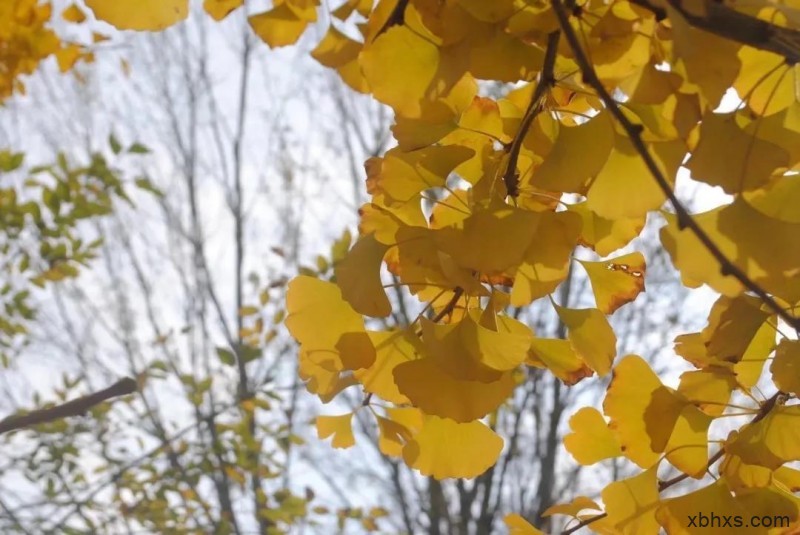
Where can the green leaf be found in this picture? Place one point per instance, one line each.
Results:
(226, 356)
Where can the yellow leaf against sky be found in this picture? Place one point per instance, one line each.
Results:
(323, 382)
(687, 447)
(729, 157)
(358, 276)
(573, 508)
(631, 504)
(400, 66)
(591, 336)
(140, 14)
(434, 391)
(502, 345)
(770, 442)
(447, 449)
(73, 13)
(616, 281)
(362, 7)
(519, 526)
(709, 389)
(546, 261)
(641, 410)
(285, 22)
(579, 153)
(560, 358)
(392, 437)
(785, 367)
(765, 81)
(591, 440)
(491, 240)
(609, 195)
(328, 329)
(339, 52)
(391, 349)
(402, 175)
(732, 325)
(766, 249)
(219, 9)
(604, 236)
(339, 427)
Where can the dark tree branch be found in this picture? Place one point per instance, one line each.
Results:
(634, 132)
(546, 81)
(726, 22)
(75, 407)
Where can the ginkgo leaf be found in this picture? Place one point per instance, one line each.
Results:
(489, 241)
(391, 349)
(675, 514)
(321, 381)
(573, 508)
(709, 389)
(339, 52)
(591, 336)
(687, 448)
(219, 9)
(591, 439)
(741, 476)
(445, 344)
(284, 23)
(605, 236)
(140, 14)
(617, 281)
(625, 170)
(393, 436)
(631, 503)
(483, 116)
(732, 324)
(641, 410)
(748, 161)
(339, 427)
(767, 250)
(546, 261)
(579, 153)
(445, 449)
(560, 358)
(328, 329)
(358, 276)
(73, 13)
(519, 526)
(785, 366)
(502, 346)
(771, 441)
(436, 392)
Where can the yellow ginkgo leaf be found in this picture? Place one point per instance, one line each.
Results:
(519, 526)
(605, 236)
(631, 504)
(219, 9)
(339, 52)
(579, 153)
(641, 410)
(683, 515)
(624, 171)
(330, 332)
(140, 14)
(591, 336)
(617, 281)
(767, 250)
(732, 324)
(392, 437)
(772, 441)
(400, 66)
(573, 508)
(358, 275)
(785, 367)
(445, 345)
(284, 23)
(741, 476)
(546, 261)
(489, 241)
(502, 346)
(591, 439)
(323, 382)
(483, 117)
(709, 389)
(338, 426)
(391, 349)
(560, 358)
(434, 391)
(447, 449)
(748, 161)
(687, 448)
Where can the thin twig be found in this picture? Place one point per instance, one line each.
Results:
(634, 132)
(75, 407)
(546, 81)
